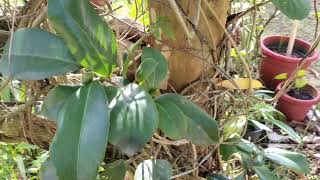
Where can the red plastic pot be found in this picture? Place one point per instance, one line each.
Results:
(274, 63)
(296, 109)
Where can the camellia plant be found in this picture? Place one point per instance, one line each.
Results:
(100, 111)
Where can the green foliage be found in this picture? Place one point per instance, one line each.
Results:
(153, 68)
(114, 171)
(172, 120)
(254, 158)
(84, 113)
(233, 129)
(20, 160)
(294, 9)
(291, 160)
(264, 173)
(262, 112)
(153, 170)
(133, 119)
(84, 121)
(88, 37)
(55, 100)
(299, 80)
(202, 129)
(47, 57)
(162, 25)
(136, 9)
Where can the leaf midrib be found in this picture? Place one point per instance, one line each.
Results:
(81, 127)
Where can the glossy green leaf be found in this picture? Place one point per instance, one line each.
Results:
(134, 119)
(227, 150)
(153, 68)
(292, 134)
(114, 171)
(35, 55)
(55, 100)
(294, 9)
(202, 128)
(48, 171)
(248, 147)
(292, 160)
(111, 92)
(264, 173)
(81, 138)
(89, 38)
(172, 120)
(153, 170)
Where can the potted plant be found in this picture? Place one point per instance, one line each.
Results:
(275, 61)
(299, 98)
(282, 54)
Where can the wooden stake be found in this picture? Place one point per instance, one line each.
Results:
(293, 36)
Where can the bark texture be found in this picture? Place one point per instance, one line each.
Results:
(189, 61)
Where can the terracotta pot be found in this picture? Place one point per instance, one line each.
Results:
(274, 63)
(296, 109)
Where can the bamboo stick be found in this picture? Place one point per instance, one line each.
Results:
(293, 36)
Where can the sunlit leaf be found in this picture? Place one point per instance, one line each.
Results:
(300, 83)
(234, 127)
(281, 76)
(301, 73)
(35, 55)
(242, 83)
(134, 119)
(87, 35)
(81, 138)
(292, 160)
(260, 125)
(153, 170)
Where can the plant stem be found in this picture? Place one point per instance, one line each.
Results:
(292, 37)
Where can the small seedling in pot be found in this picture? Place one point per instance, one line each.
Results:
(297, 91)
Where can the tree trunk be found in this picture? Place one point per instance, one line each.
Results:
(190, 59)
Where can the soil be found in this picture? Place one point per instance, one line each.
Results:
(300, 94)
(297, 53)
